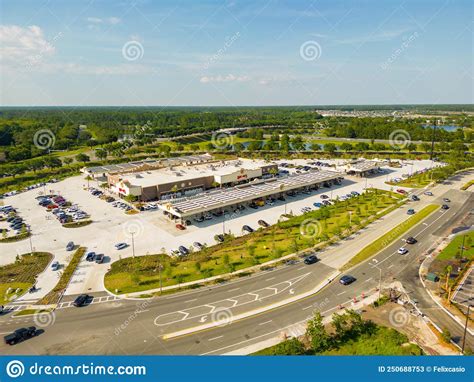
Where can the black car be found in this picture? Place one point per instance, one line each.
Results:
(219, 238)
(347, 279)
(263, 223)
(254, 206)
(81, 300)
(183, 250)
(99, 259)
(445, 207)
(281, 198)
(20, 335)
(311, 260)
(411, 240)
(247, 228)
(90, 256)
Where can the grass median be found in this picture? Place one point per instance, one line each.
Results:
(298, 233)
(385, 240)
(17, 277)
(53, 296)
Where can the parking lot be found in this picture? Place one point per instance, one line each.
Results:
(152, 232)
(464, 295)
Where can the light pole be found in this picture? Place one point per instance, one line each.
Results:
(133, 245)
(159, 270)
(223, 223)
(465, 328)
(31, 243)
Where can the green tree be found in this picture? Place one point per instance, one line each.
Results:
(315, 331)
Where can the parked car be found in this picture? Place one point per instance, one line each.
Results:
(318, 205)
(247, 229)
(81, 300)
(198, 245)
(401, 191)
(446, 200)
(183, 250)
(410, 211)
(121, 246)
(347, 279)
(310, 259)
(180, 226)
(263, 223)
(445, 207)
(428, 193)
(411, 240)
(219, 238)
(402, 251)
(70, 246)
(90, 256)
(99, 259)
(55, 265)
(199, 219)
(20, 335)
(323, 196)
(415, 198)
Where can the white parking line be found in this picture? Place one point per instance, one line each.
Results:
(215, 338)
(266, 322)
(271, 278)
(341, 293)
(194, 299)
(233, 290)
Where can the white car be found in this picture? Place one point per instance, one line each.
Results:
(402, 251)
(429, 193)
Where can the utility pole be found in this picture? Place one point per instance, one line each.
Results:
(465, 329)
(462, 245)
(31, 243)
(223, 223)
(161, 285)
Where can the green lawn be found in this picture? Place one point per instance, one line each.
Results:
(21, 274)
(415, 181)
(296, 234)
(385, 240)
(454, 247)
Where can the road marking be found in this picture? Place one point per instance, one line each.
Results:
(390, 266)
(266, 322)
(341, 293)
(233, 290)
(194, 299)
(299, 269)
(271, 278)
(366, 281)
(215, 338)
(308, 307)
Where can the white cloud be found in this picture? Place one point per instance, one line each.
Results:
(226, 78)
(19, 45)
(108, 20)
(94, 20)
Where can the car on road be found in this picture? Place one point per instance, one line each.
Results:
(183, 250)
(415, 198)
(198, 245)
(347, 279)
(247, 229)
(428, 193)
(20, 335)
(99, 259)
(410, 211)
(445, 207)
(411, 240)
(402, 251)
(263, 223)
(90, 256)
(310, 259)
(81, 300)
(55, 266)
(446, 200)
(70, 246)
(120, 246)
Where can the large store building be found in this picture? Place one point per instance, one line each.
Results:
(184, 180)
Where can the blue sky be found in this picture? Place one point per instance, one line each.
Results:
(230, 53)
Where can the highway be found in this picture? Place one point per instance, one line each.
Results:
(138, 326)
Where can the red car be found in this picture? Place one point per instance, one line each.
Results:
(400, 191)
(180, 227)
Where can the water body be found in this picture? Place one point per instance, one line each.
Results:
(445, 127)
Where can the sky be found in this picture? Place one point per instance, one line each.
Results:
(234, 53)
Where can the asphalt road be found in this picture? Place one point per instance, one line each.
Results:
(138, 327)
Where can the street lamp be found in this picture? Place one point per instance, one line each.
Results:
(465, 328)
(133, 245)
